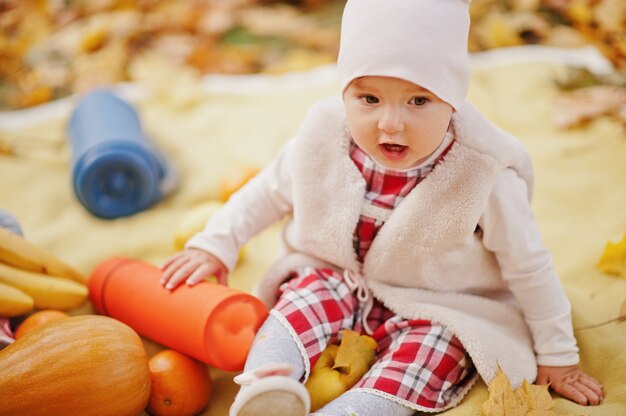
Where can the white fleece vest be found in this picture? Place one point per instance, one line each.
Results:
(427, 261)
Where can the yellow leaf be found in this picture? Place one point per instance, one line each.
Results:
(584, 104)
(526, 5)
(613, 260)
(580, 12)
(537, 397)
(528, 400)
(502, 400)
(93, 41)
(355, 355)
(497, 31)
(541, 413)
(609, 14)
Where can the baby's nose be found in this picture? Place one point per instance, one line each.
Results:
(391, 120)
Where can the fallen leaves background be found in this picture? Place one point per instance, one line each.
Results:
(65, 47)
(53, 48)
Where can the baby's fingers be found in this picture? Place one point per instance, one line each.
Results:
(570, 391)
(579, 392)
(174, 266)
(593, 385)
(178, 272)
(178, 277)
(591, 397)
(170, 260)
(200, 274)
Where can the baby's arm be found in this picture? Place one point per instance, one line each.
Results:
(191, 266)
(265, 199)
(511, 232)
(570, 382)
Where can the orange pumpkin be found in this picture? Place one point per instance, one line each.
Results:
(181, 386)
(84, 365)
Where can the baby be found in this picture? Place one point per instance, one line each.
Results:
(410, 221)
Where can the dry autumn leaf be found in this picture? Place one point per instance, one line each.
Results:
(173, 83)
(609, 14)
(502, 400)
(576, 107)
(528, 400)
(53, 49)
(537, 397)
(613, 260)
(355, 355)
(580, 12)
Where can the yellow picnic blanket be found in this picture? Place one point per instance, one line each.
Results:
(580, 199)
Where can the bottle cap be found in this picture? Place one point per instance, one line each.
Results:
(115, 170)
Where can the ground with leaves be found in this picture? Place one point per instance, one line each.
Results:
(51, 49)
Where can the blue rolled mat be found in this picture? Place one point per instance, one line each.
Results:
(116, 171)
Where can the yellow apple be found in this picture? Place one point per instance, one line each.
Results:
(325, 383)
(340, 367)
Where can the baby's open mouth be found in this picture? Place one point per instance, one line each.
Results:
(393, 147)
(394, 151)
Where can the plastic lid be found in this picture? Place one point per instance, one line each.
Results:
(116, 179)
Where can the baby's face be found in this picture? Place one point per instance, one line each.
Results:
(396, 122)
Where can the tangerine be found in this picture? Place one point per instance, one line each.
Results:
(38, 319)
(181, 386)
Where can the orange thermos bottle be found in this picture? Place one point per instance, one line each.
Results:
(210, 322)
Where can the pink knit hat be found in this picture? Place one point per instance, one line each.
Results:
(421, 41)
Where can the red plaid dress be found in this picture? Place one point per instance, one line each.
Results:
(420, 364)
(386, 189)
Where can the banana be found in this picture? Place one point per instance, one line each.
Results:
(14, 302)
(16, 251)
(48, 292)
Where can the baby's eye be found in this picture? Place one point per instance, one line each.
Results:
(419, 100)
(370, 99)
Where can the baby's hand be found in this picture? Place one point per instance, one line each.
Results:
(192, 266)
(572, 384)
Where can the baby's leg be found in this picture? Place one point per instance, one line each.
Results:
(312, 309)
(274, 344)
(421, 366)
(359, 403)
